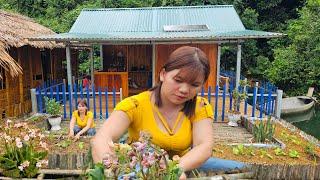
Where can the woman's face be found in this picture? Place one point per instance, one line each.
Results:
(82, 107)
(176, 89)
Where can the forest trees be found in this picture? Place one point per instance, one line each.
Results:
(296, 66)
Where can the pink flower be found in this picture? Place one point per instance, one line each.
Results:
(18, 142)
(26, 138)
(25, 164)
(140, 146)
(176, 158)
(18, 125)
(43, 145)
(162, 164)
(20, 168)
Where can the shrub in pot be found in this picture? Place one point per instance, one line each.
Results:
(238, 95)
(53, 110)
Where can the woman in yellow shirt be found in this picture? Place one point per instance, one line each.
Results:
(82, 121)
(171, 112)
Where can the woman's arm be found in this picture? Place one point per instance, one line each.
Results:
(85, 129)
(71, 126)
(202, 145)
(111, 131)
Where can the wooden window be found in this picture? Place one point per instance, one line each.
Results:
(2, 78)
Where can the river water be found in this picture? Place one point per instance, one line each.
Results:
(308, 122)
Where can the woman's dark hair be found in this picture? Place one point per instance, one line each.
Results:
(83, 102)
(193, 63)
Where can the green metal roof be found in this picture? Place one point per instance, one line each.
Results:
(147, 24)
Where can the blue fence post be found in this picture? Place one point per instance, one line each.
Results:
(269, 102)
(64, 101)
(255, 89)
(202, 91)
(272, 104)
(94, 102)
(246, 101)
(107, 103)
(100, 102)
(88, 96)
(75, 92)
(223, 102)
(209, 94)
(70, 101)
(81, 92)
(51, 93)
(114, 97)
(57, 93)
(216, 103)
(40, 102)
(230, 97)
(261, 102)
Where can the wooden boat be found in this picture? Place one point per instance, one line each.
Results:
(297, 104)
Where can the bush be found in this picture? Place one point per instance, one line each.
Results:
(53, 107)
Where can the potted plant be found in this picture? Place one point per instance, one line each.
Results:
(53, 109)
(238, 95)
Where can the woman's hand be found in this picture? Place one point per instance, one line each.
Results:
(183, 176)
(77, 137)
(71, 134)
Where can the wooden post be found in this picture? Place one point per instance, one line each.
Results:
(238, 65)
(153, 64)
(278, 103)
(92, 66)
(34, 100)
(69, 71)
(30, 66)
(21, 107)
(218, 64)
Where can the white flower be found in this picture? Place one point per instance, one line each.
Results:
(18, 125)
(32, 133)
(41, 135)
(25, 164)
(26, 138)
(45, 162)
(38, 165)
(20, 168)
(19, 144)
(43, 145)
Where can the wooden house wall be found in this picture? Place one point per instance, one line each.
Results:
(15, 99)
(164, 50)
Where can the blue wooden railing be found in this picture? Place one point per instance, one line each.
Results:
(259, 98)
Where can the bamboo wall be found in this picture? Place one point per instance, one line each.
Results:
(15, 99)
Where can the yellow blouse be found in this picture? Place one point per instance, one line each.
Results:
(83, 122)
(140, 112)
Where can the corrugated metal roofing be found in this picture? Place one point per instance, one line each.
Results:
(146, 24)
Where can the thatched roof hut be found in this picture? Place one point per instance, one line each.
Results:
(14, 31)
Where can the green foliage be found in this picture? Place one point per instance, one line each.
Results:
(53, 107)
(64, 143)
(264, 153)
(264, 131)
(238, 150)
(23, 155)
(97, 173)
(85, 66)
(279, 152)
(239, 96)
(310, 149)
(296, 67)
(294, 154)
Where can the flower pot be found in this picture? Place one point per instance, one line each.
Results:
(233, 119)
(55, 122)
